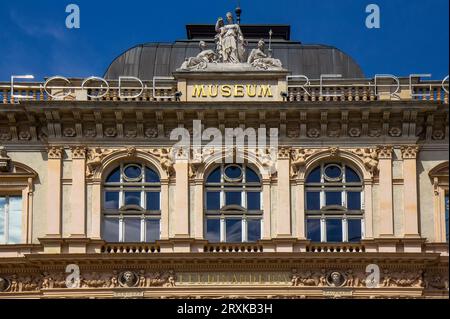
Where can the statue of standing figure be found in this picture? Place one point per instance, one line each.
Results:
(230, 41)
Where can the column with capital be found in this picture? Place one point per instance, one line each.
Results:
(411, 209)
(54, 194)
(283, 218)
(78, 193)
(386, 192)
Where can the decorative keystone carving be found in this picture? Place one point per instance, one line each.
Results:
(78, 152)
(55, 152)
(334, 151)
(5, 161)
(385, 152)
(131, 151)
(410, 152)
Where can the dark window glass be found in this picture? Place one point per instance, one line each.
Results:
(114, 177)
(133, 172)
(213, 200)
(2, 219)
(253, 230)
(254, 201)
(313, 201)
(333, 171)
(153, 201)
(111, 230)
(214, 177)
(354, 200)
(213, 230)
(112, 200)
(446, 216)
(334, 230)
(133, 198)
(233, 172)
(354, 230)
(132, 230)
(233, 198)
(333, 198)
(152, 230)
(251, 176)
(313, 230)
(234, 230)
(351, 176)
(151, 176)
(314, 176)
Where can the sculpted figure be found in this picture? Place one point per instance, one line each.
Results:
(201, 60)
(4, 285)
(370, 158)
(295, 278)
(259, 59)
(14, 287)
(230, 40)
(171, 279)
(142, 279)
(114, 281)
(46, 281)
(387, 280)
(350, 278)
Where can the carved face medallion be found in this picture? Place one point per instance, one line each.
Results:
(4, 284)
(128, 279)
(335, 279)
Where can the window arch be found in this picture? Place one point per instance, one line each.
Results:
(439, 177)
(132, 204)
(334, 204)
(233, 204)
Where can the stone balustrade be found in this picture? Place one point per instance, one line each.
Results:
(233, 248)
(358, 90)
(124, 248)
(335, 248)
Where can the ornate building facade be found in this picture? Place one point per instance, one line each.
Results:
(98, 201)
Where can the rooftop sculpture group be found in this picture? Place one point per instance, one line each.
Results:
(231, 50)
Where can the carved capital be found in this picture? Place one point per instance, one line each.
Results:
(284, 153)
(55, 152)
(5, 161)
(79, 152)
(410, 152)
(385, 152)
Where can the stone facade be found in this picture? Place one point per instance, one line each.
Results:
(56, 154)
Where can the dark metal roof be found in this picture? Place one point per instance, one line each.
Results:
(251, 31)
(161, 59)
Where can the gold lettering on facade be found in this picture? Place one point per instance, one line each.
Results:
(199, 91)
(265, 91)
(237, 91)
(226, 91)
(251, 90)
(213, 90)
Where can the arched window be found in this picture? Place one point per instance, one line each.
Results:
(334, 204)
(233, 204)
(132, 204)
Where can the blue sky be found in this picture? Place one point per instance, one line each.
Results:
(413, 38)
